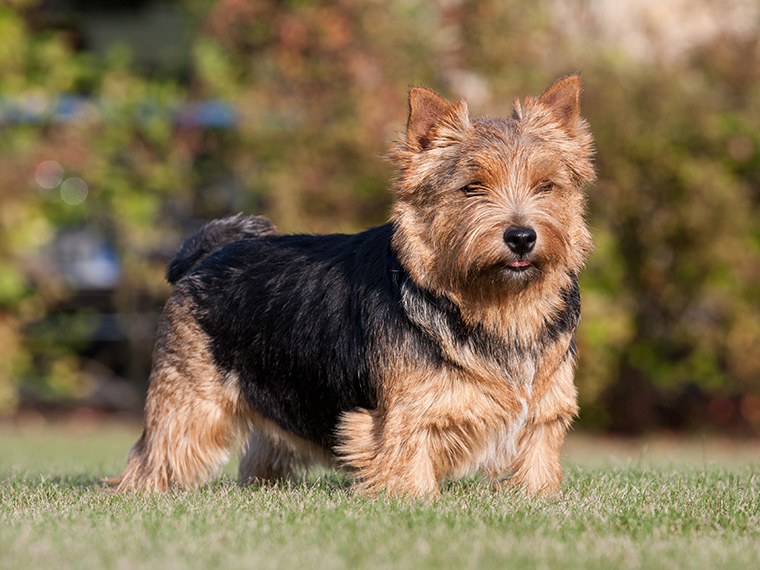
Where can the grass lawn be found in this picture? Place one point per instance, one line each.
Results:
(656, 504)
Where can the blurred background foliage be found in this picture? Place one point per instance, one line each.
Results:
(124, 125)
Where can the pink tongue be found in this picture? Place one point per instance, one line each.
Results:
(521, 263)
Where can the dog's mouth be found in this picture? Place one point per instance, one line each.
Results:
(519, 265)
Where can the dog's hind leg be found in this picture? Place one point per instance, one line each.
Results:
(193, 414)
(273, 454)
(264, 460)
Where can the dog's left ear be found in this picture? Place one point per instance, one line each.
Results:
(563, 100)
(429, 115)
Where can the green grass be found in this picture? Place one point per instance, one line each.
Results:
(620, 507)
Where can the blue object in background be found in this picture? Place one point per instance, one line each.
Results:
(68, 108)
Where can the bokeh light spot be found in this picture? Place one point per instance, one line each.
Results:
(74, 191)
(48, 174)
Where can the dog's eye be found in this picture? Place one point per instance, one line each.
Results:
(544, 187)
(474, 189)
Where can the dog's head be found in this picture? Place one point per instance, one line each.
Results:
(492, 205)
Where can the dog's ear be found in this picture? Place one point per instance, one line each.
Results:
(428, 110)
(563, 100)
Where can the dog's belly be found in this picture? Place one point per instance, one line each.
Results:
(306, 405)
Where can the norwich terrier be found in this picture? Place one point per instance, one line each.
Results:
(437, 345)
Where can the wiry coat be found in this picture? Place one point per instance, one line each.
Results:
(427, 348)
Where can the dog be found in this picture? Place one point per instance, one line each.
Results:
(437, 345)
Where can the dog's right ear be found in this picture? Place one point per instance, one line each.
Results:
(427, 111)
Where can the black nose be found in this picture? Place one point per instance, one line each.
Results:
(520, 240)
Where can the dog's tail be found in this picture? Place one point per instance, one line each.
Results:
(213, 237)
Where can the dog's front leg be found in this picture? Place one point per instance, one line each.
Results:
(388, 453)
(537, 467)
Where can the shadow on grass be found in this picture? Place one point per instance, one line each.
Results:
(76, 481)
(315, 478)
(79, 481)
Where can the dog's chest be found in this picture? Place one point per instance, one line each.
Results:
(500, 444)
